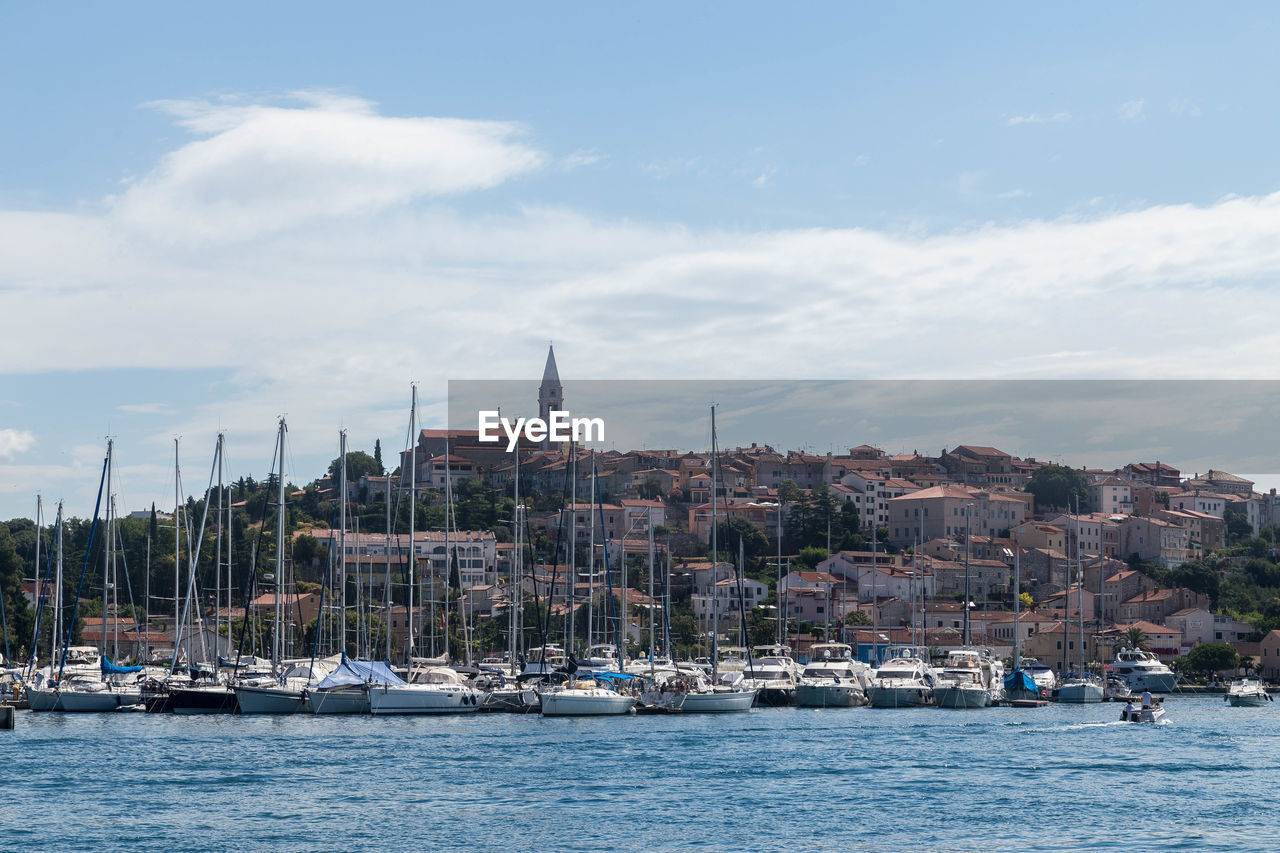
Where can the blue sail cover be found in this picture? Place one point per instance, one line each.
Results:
(109, 668)
(1018, 682)
(352, 672)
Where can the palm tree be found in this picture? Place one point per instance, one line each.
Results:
(1134, 638)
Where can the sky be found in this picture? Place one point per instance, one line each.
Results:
(211, 217)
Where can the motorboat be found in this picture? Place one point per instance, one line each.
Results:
(904, 680)
(971, 678)
(1042, 674)
(603, 694)
(773, 673)
(1153, 713)
(1144, 671)
(601, 657)
(439, 690)
(832, 678)
(1247, 693)
(543, 661)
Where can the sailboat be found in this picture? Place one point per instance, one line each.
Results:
(1019, 685)
(703, 696)
(1081, 687)
(280, 692)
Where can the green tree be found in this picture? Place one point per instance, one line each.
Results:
(650, 489)
(359, 464)
(789, 492)
(1238, 526)
(1059, 487)
(1134, 638)
(377, 456)
(17, 613)
(754, 542)
(1212, 657)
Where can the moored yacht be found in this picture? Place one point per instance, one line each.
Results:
(832, 678)
(1247, 692)
(904, 680)
(604, 694)
(1081, 689)
(439, 690)
(1144, 671)
(971, 678)
(773, 673)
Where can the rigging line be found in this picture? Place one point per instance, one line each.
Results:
(129, 585)
(93, 529)
(42, 601)
(251, 581)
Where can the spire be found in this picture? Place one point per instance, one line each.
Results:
(550, 376)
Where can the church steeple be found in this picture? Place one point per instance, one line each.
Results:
(550, 392)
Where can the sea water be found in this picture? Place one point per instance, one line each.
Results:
(1055, 778)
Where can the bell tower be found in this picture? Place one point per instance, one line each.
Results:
(550, 392)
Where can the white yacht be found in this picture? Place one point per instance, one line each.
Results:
(1144, 671)
(700, 696)
(543, 661)
(832, 678)
(439, 690)
(345, 690)
(904, 680)
(773, 673)
(1042, 674)
(602, 657)
(971, 678)
(603, 695)
(1247, 692)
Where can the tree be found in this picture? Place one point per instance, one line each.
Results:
(789, 492)
(17, 614)
(1238, 526)
(650, 489)
(1134, 638)
(359, 464)
(1212, 657)
(1027, 601)
(377, 456)
(753, 541)
(1059, 487)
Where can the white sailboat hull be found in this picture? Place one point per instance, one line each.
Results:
(347, 700)
(268, 700)
(41, 699)
(423, 699)
(727, 702)
(585, 703)
(1247, 700)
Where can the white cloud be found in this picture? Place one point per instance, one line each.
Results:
(15, 441)
(1132, 110)
(263, 168)
(1038, 118)
(328, 315)
(581, 158)
(145, 408)
(1016, 193)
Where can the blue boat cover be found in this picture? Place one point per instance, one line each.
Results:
(351, 672)
(1019, 682)
(109, 668)
(616, 676)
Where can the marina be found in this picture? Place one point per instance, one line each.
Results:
(859, 779)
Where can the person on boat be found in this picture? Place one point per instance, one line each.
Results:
(1146, 698)
(1129, 709)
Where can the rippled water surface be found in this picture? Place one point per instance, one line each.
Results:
(1055, 778)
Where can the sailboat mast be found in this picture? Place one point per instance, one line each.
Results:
(177, 546)
(279, 638)
(413, 506)
(573, 545)
(57, 595)
(715, 590)
(342, 540)
(1017, 604)
(106, 556)
(513, 580)
(386, 577)
(968, 515)
(217, 565)
(591, 553)
(651, 614)
(781, 631)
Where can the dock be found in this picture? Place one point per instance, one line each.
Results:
(6, 716)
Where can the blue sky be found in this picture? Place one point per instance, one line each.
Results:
(213, 216)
